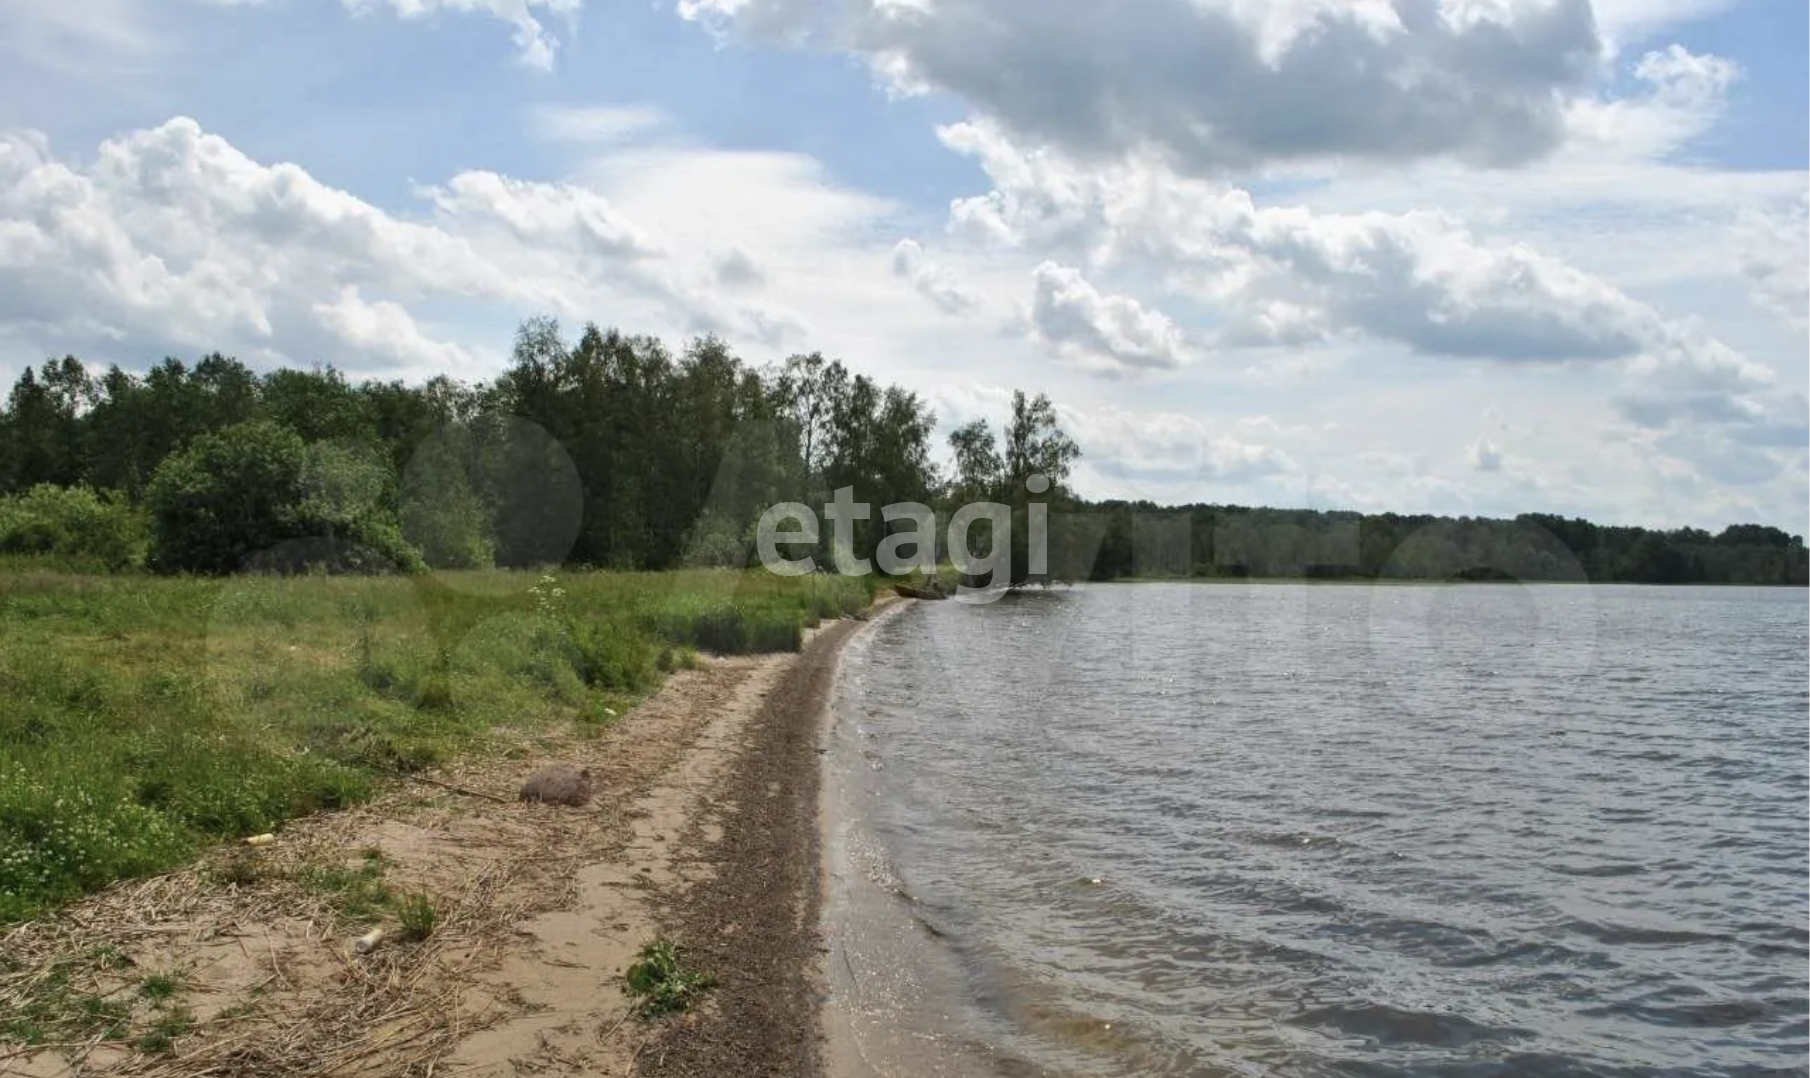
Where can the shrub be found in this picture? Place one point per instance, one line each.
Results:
(255, 496)
(73, 525)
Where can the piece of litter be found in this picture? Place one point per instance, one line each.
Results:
(365, 943)
(260, 840)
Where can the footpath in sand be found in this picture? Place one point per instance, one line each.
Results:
(703, 827)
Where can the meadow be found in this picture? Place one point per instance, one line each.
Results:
(143, 719)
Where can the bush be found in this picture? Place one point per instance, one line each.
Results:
(612, 656)
(255, 496)
(73, 525)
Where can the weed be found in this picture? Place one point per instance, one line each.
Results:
(56, 1008)
(549, 597)
(418, 915)
(157, 987)
(108, 957)
(660, 982)
(359, 892)
(165, 1028)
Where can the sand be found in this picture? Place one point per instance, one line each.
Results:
(703, 826)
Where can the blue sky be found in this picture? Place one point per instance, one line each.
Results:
(1562, 270)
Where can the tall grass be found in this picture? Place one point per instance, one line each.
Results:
(144, 718)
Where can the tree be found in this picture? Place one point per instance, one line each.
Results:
(1034, 445)
(441, 513)
(43, 436)
(978, 469)
(243, 497)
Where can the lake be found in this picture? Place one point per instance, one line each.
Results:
(1250, 829)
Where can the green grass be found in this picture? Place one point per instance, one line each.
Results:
(157, 987)
(359, 891)
(661, 983)
(165, 1027)
(63, 1006)
(418, 915)
(147, 718)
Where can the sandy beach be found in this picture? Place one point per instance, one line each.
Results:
(704, 827)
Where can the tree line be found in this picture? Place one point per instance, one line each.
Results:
(613, 451)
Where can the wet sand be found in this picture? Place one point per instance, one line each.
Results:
(704, 827)
(891, 986)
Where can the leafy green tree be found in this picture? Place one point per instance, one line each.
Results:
(42, 437)
(256, 495)
(441, 513)
(225, 497)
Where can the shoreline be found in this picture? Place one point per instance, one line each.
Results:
(704, 827)
(754, 916)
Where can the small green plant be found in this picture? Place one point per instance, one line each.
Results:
(157, 987)
(549, 597)
(660, 983)
(58, 1007)
(360, 892)
(165, 1028)
(417, 914)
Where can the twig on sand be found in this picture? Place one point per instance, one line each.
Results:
(460, 789)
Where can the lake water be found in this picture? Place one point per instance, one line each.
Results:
(1160, 830)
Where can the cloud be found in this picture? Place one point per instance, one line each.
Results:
(1484, 456)
(172, 240)
(594, 124)
(573, 219)
(1227, 84)
(1775, 260)
(536, 44)
(735, 268)
(1112, 333)
(1143, 452)
(1289, 275)
(173, 237)
(1622, 21)
(935, 283)
(67, 37)
(386, 328)
(1685, 94)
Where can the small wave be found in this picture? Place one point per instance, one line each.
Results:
(1775, 930)
(1289, 840)
(1348, 813)
(1535, 954)
(1599, 871)
(1386, 1025)
(1635, 935)
(1710, 1014)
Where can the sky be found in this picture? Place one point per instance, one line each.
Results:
(1466, 257)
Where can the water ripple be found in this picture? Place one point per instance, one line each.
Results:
(1251, 830)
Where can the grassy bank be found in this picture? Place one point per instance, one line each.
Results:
(145, 719)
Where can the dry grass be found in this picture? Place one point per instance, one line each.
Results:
(264, 954)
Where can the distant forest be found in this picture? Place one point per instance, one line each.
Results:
(614, 452)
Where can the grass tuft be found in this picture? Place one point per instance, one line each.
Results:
(661, 983)
(418, 916)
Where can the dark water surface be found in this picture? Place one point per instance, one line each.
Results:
(1156, 830)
